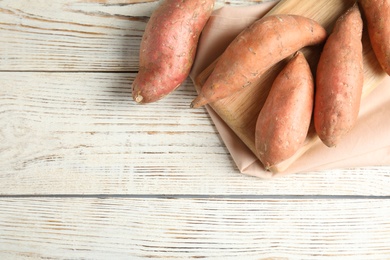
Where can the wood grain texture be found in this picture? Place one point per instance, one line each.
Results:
(157, 228)
(123, 181)
(74, 35)
(80, 133)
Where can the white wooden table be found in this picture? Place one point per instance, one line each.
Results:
(85, 173)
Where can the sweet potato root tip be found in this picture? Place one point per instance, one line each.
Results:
(138, 98)
(198, 102)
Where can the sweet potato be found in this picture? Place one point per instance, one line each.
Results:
(255, 50)
(284, 120)
(377, 14)
(339, 79)
(168, 47)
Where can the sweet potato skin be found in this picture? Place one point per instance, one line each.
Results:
(284, 120)
(377, 14)
(255, 50)
(168, 47)
(339, 79)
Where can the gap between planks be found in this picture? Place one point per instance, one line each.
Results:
(200, 196)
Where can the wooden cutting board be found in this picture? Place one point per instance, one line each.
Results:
(240, 111)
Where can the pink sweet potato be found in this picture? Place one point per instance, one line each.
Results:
(255, 50)
(168, 47)
(377, 14)
(284, 120)
(339, 79)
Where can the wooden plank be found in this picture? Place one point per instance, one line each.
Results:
(74, 35)
(138, 228)
(80, 133)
